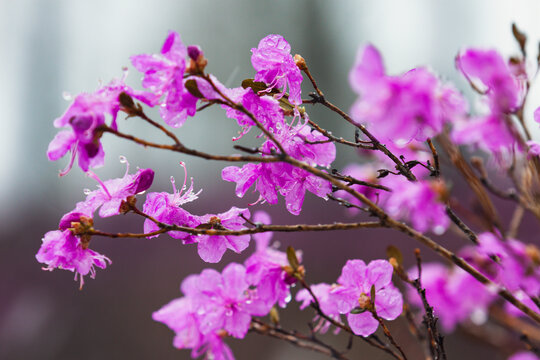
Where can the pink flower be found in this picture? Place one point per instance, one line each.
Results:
(111, 193)
(414, 105)
(488, 70)
(181, 316)
(164, 76)
(85, 116)
(266, 268)
(454, 295)
(417, 202)
(275, 66)
(356, 282)
(323, 293)
(166, 208)
(212, 247)
(63, 250)
(224, 301)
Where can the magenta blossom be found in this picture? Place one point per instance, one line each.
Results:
(266, 268)
(85, 116)
(354, 293)
(454, 295)
(166, 208)
(212, 247)
(224, 301)
(418, 202)
(275, 66)
(488, 71)
(414, 105)
(181, 316)
(111, 193)
(164, 76)
(323, 292)
(265, 108)
(63, 250)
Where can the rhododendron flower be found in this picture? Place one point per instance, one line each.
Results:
(490, 133)
(214, 306)
(291, 182)
(181, 316)
(454, 295)
(417, 201)
(111, 193)
(85, 116)
(514, 269)
(356, 282)
(488, 70)
(165, 207)
(323, 293)
(212, 247)
(275, 66)
(414, 105)
(63, 250)
(164, 76)
(503, 90)
(295, 189)
(265, 108)
(265, 268)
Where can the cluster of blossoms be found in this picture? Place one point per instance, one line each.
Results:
(404, 112)
(457, 297)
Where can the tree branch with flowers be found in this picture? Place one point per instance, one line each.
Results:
(410, 130)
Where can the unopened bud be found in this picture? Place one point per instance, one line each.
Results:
(194, 51)
(274, 315)
(197, 61)
(300, 62)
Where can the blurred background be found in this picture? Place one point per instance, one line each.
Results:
(51, 48)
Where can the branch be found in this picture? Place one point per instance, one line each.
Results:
(259, 229)
(295, 338)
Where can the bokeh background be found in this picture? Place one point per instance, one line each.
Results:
(53, 47)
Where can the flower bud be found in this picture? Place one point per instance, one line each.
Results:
(300, 62)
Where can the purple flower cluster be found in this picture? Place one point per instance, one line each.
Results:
(352, 295)
(217, 305)
(85, 117)
(503, 89)
(414, 105)
(67, 247)
(275, 66)
(292, 183)
(456, 296)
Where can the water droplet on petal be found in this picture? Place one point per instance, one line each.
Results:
(200, 311)
(479, 317)
(123, 159)
(229, 312)
(439, 229)
(288, 298)
(87, 191)
(67, 96)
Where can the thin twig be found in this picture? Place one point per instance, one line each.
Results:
(296, 339)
